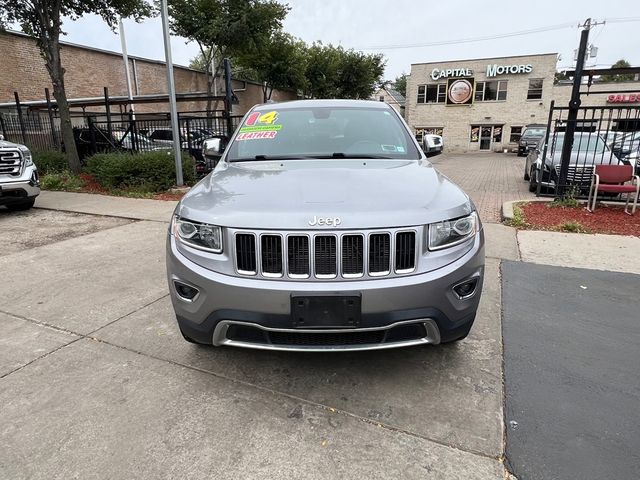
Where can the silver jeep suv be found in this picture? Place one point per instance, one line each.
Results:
(324, 227)
(19, 182)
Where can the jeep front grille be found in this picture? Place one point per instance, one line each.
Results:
(10, 162)
(577, 174)
(325, 256)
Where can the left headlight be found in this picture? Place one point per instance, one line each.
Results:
(26, 154)
(198, 235)
(452, 232)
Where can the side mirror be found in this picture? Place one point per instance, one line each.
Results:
(214, 147)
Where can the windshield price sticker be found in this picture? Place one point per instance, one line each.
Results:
(267, 118)
(257, 135)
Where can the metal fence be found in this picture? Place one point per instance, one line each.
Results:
(144, 133)
(604, 135)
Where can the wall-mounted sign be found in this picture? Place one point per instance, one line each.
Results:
(437, 74)
(495, 70)
(620, 98)
(492, 71)
(460, 91)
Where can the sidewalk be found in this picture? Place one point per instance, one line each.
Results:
(132, 208)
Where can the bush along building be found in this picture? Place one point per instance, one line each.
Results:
(484, 104)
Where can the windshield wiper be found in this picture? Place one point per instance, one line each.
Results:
(268, 157)
(352, 155)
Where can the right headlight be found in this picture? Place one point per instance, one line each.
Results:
(198, 235)
(452, 232)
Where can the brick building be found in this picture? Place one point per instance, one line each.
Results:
(483, 104)
(89, 70)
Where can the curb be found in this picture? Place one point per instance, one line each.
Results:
(507, 207)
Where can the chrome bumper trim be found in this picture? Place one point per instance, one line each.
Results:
(432, 337)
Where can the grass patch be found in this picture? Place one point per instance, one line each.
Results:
(573, 227)
(518, 220)
(65, 181)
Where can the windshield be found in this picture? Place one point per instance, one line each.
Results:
(322, 132)
(583, 143)
(534, 132)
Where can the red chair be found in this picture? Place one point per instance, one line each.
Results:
(612, 179)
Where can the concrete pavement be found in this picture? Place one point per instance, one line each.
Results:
(96, 381)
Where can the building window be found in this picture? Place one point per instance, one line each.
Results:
(516, 133)
(497, 133)
(432, 93)
(535, 89)
(475, 133)
(491, 91)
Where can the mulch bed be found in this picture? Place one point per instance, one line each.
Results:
(92, 186)
(605, 219)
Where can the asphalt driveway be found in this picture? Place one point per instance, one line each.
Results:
(96, 381)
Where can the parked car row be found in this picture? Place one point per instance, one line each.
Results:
(589, 149)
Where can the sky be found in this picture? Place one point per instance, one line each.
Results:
(370, 24)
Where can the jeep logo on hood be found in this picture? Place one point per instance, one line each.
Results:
(322, 221)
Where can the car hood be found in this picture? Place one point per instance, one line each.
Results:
(5, 144)
(287, 195)
(583, 158)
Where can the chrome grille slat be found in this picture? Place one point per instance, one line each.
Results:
(10, 162)
(352, 256)
(325, 255)
(246, 253)
(405, 252)
(379, 254)
(577, 174)
(271, 255)
(298, 256)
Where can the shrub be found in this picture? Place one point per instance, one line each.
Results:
(50, 161)
(66, 181)
(573, 227)
(142, 172)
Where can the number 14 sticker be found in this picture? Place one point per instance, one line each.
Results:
(257, 117)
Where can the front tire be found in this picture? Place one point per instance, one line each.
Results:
(533, 183)
(23, 205)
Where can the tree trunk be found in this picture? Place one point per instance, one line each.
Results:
(56, 72)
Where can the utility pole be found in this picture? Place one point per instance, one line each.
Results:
(574, 105)
(173, 109)
(125, 58)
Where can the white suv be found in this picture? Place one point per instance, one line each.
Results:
(19, 182)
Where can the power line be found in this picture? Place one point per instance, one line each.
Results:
(549, 28)
(471, 39)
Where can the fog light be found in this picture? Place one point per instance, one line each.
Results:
(466, 289)
(187, 292)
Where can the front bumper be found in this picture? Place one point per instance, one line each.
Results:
(17, 189)
(256, 313)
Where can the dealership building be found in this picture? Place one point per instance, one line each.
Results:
(484, 104)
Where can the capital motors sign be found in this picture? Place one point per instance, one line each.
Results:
(495, 70)
(626, 98)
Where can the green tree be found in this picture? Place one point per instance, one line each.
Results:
(333, 72)
(359, 74)
(279, 63)
(400, 84)
(225, 28)
(42, 19)
(622, 63)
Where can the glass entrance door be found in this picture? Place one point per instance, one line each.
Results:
(485, 138)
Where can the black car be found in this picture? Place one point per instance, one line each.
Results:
(530, 138)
